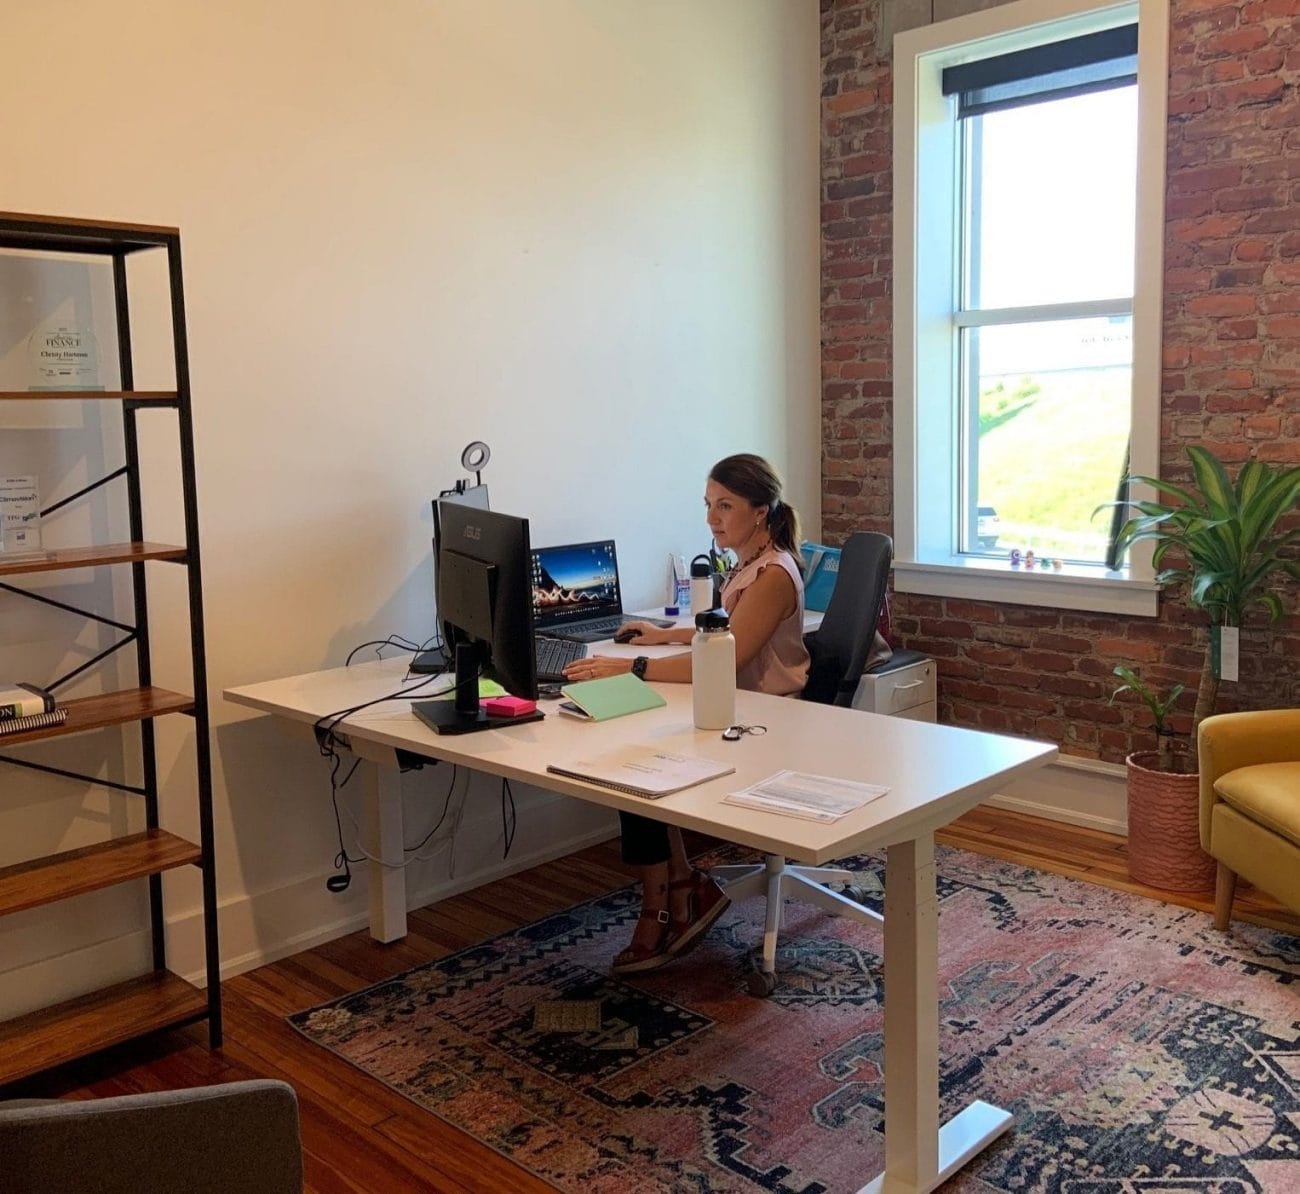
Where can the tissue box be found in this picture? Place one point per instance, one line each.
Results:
(821, 570)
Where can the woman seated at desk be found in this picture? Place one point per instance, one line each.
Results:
(764, 597)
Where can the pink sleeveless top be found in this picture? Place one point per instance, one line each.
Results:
(781, 666)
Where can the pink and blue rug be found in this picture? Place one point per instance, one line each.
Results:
(1140, 1051)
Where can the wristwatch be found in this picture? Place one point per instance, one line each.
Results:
(639, 665)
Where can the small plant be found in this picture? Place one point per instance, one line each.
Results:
(1159, 711)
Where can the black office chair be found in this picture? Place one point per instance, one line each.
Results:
(841, 646)
(841, 649)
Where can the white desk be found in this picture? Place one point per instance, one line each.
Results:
(934, 773)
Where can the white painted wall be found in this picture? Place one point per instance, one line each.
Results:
(585, 231)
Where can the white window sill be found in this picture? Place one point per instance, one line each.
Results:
(1075, 586)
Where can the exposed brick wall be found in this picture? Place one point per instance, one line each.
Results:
(1231, 365)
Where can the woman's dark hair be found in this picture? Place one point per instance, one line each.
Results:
(759, 483)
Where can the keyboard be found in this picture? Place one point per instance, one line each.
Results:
(553, 654)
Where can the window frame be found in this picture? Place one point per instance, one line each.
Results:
(927, 195)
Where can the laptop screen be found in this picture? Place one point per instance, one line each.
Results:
(574, 582)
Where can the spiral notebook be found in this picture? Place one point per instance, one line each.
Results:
(643, 772)
(35, 721)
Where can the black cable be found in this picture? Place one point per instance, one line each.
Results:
(446, 804)
(323, 728)
(393, 640)
(508, 833)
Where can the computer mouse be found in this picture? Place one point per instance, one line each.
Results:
(625, 635)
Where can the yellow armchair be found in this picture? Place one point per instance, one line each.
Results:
(1250, 803)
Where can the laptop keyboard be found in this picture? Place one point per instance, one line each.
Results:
(600, 629)
(605, 627)
(553, 654)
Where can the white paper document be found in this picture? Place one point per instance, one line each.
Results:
(644, 772)
(813, 797)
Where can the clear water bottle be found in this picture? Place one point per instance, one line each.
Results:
(713, 671)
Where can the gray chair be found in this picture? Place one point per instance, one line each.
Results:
(234, 1138)
(841, 650)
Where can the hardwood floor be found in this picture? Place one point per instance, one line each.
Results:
(358, 1135)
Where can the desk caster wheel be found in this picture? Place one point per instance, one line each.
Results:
(855, 892)
(760, 983)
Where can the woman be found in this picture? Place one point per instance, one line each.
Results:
(764, 598)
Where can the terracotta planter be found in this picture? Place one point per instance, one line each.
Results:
(1164, 835)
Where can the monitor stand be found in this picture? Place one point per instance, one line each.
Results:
(464, 714)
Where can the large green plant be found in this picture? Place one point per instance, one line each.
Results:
(1222, 540)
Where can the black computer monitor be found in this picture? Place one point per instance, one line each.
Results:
(485, 599)
(440, 659)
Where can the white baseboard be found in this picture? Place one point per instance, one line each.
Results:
(1076, 791)
(262, 927)
(253, 955)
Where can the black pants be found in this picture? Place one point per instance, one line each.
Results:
(645, 841)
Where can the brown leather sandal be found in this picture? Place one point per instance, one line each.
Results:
(707, 902)
(638, 958)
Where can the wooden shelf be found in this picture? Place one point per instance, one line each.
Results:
(162, 397)
(63, 234)
(110, 709)
(158, 1000)
(63, 558)
(89, 868)
(58, 1034)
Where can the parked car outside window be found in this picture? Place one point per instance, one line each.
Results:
(986, 526)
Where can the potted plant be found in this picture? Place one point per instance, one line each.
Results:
(1218, 539)
(1164, 842)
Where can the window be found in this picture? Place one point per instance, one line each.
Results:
(1029, 149)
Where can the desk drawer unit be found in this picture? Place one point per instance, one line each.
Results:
(906, 692)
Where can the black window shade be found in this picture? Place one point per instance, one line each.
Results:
(1091, 62)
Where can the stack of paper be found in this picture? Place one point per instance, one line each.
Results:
(813, 797)
(643, 772)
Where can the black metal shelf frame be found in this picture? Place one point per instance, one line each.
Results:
(55, 236)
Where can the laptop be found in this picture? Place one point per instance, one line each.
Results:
(576, 592)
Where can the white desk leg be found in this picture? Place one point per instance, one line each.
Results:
(919, 1155)
(384, 825)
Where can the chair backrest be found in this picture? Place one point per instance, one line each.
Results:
(232, 1138)
(841, 644)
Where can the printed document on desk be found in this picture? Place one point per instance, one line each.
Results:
(643, 772)
(812, 797)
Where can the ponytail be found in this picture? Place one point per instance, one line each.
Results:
(783, 526)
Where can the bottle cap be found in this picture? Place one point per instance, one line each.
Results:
(700, 568)
(671, 611)
(713, 619)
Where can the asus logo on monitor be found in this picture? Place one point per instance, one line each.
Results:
(473, 532)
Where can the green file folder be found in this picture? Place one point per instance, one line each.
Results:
(613, 696)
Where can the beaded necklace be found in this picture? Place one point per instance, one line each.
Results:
(745, 563)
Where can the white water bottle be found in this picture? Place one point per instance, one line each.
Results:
(713, 671)
(701, 585)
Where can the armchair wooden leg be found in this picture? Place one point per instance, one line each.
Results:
(1225, 883)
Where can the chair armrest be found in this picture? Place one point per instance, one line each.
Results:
(899, 659)
(1231, 740)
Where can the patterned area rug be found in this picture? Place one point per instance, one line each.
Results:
(1140, 1051)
